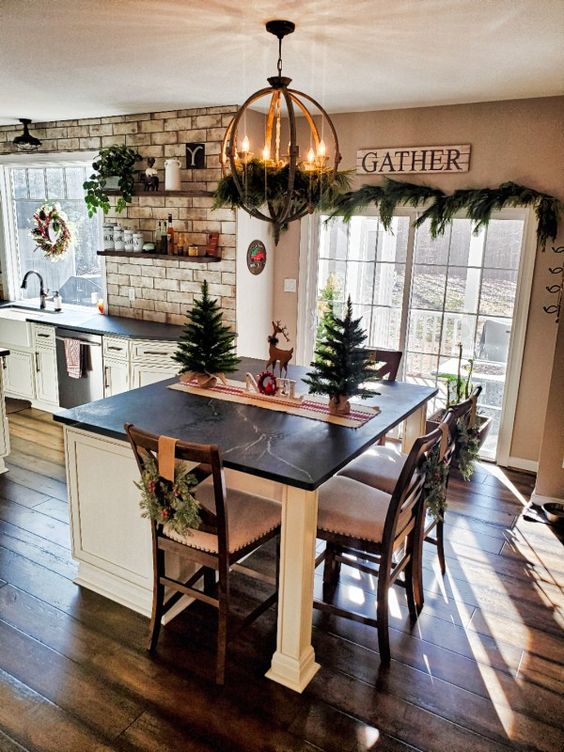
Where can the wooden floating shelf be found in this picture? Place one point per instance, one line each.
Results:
(163, 256)
(163, 194)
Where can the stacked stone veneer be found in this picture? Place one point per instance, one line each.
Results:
(163, 288)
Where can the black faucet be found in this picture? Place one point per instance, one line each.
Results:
(42, 291)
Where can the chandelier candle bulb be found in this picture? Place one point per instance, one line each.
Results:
(321, 149)
(245, 145)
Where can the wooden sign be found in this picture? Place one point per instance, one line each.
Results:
(195, 156)
(404, 160)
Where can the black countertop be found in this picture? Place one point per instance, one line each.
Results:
(81, 321)
(287, 448)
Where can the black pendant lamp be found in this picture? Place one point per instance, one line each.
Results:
(26, 142)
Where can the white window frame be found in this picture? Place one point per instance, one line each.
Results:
(9, 234)
(307, 298)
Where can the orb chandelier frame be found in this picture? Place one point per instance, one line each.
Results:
(317, 171)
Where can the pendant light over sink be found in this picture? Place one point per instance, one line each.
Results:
(26, 142)
(294, 170)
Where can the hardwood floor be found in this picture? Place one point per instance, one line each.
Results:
(482, 669)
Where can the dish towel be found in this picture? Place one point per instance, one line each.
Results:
(74, 358)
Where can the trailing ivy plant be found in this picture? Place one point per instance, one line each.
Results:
(478, 203)
(115, 161)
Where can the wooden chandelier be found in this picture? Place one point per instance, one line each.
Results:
(293, 185)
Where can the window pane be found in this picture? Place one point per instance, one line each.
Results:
(458, 328)
(421, 369)
(428, 288)
(424, 331)
(463, 289)
(364, 313)
(359, 282)
(392, 244)
(385, 327)
(36, 180)
(499, 287)
(503, 245)
(492, 338)
(461, 242)
(19, 180)
(363, 238)
(429, 250)
(335, 270)
(75, 177)
(55, 183)
(388, 284)
(333, 239)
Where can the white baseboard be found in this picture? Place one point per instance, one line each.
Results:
(519, 463)
(539, 500)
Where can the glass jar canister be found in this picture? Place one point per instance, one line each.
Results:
(138, 241)
(128, 240)
(108, 236)
(119, 244)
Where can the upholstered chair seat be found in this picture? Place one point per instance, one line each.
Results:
(379, 467)
(348, 507)
(249, 519)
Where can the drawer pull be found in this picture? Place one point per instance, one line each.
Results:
(113, 347)
(47, 336)
(153, 352)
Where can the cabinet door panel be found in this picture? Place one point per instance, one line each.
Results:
(20, 374)
(116, 376)
(46, 375)
(144, 374)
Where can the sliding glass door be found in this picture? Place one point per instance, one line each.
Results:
(426, 296)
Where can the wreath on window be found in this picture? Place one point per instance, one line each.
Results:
(166, 502)
(52, 231)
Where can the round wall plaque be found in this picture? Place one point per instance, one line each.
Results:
(256, 257)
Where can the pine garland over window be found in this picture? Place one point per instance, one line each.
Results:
(478, 203)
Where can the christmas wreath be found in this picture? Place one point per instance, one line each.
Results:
(48, 221)
(266, 383)
(436, 474)
(166, 502)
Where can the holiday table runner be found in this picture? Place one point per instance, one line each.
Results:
(309, 407)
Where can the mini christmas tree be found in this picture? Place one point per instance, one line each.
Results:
(206, 345)
(341, 365)
(326, 307)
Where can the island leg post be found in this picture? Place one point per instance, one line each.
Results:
(293, 663)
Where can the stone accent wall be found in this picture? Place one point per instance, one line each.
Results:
(164, 288)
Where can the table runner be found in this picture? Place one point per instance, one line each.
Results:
(310, 407)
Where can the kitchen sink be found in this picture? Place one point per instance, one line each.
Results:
(22, 312)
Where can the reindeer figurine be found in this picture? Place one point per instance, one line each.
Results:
(275, 353)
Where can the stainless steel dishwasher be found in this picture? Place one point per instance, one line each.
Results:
(90, 386)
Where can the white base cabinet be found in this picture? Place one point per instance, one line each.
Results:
(143, 374)
(20, 374)
(4, 429)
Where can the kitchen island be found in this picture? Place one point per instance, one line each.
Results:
(280, 456)
(4, 431)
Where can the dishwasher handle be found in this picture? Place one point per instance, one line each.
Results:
(82, 341)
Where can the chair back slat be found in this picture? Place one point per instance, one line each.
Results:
(390, 360)
(207, 463)
(406, 503)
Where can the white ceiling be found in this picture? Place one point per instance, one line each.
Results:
(85, 58)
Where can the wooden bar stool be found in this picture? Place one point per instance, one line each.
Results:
(378, 528)
(233, 524)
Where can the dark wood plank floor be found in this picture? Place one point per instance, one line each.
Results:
(483, 668)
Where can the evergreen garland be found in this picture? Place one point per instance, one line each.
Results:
(478, 203)
(436, 475)
(206, 345)
(468, 443)
(267, 184)
(340, 364)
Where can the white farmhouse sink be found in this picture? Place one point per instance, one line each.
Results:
(15, 331)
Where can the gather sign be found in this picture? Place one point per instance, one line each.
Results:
(403, 160)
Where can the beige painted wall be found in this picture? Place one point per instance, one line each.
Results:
(519, 140)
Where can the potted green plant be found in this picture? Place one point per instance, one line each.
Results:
(341, 365)
(113, 169)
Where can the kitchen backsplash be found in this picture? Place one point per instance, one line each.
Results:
(162, 288)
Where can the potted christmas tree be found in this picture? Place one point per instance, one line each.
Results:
(340, 365)
(206, 349)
